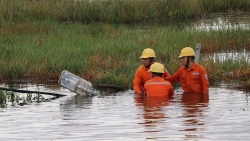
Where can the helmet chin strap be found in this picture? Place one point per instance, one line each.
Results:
(187, 62)
(151, 62)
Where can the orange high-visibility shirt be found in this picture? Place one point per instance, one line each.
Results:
(194, 80)
(141, 76)
(157, 86)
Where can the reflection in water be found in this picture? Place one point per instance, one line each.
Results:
(193, 104)
(122, 117)
(83, 101)
(154, 114)
(158, 114)
(74, 106)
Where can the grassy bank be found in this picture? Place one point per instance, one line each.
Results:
(116, 11)
(39, 39)
(106, 53)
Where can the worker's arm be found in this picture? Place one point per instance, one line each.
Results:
(174, 78)
(137, 83)
(204, 81)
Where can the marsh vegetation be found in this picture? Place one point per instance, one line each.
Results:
(101, 41)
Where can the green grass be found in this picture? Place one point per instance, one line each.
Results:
(101, 41)
(103, 53)
(116, 11)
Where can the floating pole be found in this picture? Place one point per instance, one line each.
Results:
(27, 91)
(109, 86)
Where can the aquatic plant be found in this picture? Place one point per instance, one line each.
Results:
(9, 96)
(2, 98)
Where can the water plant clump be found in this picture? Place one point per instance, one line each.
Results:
(16, 99)
(3, 98)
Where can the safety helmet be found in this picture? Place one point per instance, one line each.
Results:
(187, 51)
(148, 53)
(157, 67)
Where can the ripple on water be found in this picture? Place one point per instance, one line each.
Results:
(223, 115)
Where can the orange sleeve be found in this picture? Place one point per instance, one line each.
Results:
(204, 81)
(174, 78)
(166, 74)
(137, 82)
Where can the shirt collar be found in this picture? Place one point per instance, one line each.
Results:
(145, 68)
(193, 67)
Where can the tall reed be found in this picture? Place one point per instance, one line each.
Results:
(103, 53)
(35, 43)
(115, 11)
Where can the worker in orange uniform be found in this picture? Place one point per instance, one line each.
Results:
(142, 74)
(157, 86)
(192, 76)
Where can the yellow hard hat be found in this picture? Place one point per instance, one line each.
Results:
(157, 67)
(187, 51)
(147, 53)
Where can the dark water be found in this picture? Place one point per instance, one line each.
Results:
(223, 115)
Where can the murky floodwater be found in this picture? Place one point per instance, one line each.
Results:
(223, 115)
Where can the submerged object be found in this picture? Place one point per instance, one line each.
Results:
(76, 84)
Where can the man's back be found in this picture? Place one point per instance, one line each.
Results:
(141, 76)
(157, 87)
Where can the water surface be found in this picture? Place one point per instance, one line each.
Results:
(223, 115)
